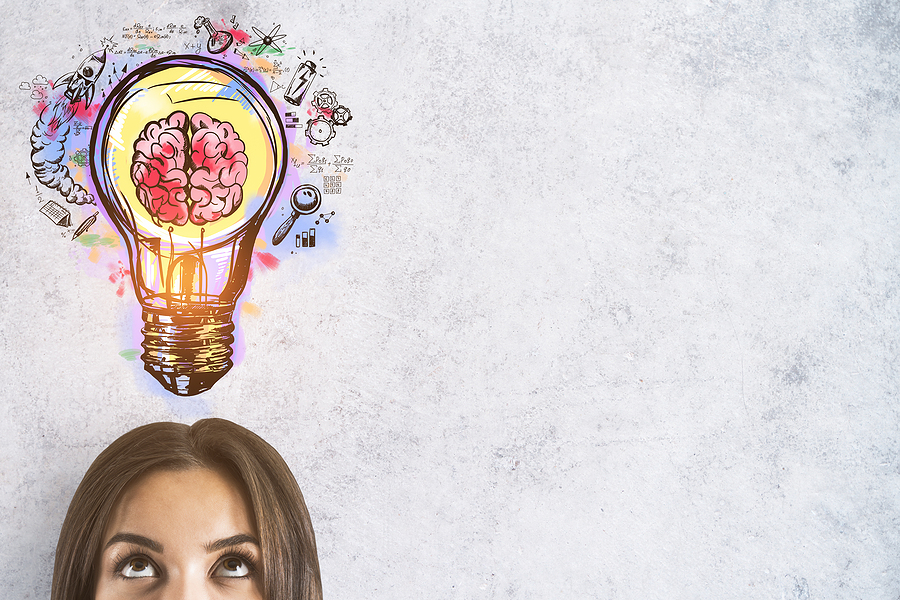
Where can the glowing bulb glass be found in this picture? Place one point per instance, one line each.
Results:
(187, 272)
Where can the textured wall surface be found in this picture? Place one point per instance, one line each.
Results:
(612, 312)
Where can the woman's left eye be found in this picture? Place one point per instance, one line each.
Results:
(137, 568)
(232, 566)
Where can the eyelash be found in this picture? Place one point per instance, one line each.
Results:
(241, 554)
(122, 558)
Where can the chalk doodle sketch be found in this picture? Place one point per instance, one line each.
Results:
(267, 41)
(192, 156)
(305, 200)
(48, 138)
(219, 41)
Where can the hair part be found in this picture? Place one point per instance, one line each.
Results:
(288, 543)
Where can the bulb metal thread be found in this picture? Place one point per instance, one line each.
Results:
(188, 352)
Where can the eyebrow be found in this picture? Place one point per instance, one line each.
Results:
(235, 540)
(133, 538)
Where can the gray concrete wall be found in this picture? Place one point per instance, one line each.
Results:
(610, 311)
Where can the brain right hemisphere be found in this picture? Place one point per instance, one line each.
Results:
(220, 169)
(202, 184)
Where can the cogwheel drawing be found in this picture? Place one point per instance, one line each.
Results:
(319, 131)
(325, 99)
(341, 115)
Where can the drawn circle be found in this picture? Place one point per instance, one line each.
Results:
(306, 199)
(319, 130)
(190, 84)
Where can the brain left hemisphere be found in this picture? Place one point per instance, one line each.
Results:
(158, 168)
(202, 186)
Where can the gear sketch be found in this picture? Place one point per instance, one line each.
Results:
(341, 115)
(325, 99)
(319, 131)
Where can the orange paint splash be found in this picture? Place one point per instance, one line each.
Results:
(250, 309)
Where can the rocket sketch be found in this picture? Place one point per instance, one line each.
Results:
(80, 83)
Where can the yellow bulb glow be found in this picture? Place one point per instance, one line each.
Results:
(188, 277)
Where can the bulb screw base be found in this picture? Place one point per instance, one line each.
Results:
(188, 352)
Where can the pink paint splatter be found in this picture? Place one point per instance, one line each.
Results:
(87, 113)
(240, 36)
(267, 260)
(121, 276)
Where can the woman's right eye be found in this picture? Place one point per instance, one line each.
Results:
(138, 567)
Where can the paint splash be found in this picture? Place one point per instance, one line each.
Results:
(130, 354)
(250, 309)
(90, 240)
(265, 262)
(120, 277)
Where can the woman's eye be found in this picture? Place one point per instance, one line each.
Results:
(232, 566)
(138, 567)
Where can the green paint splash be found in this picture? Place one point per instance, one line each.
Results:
(89, 240)
(129, 354)
(266, 50)
(80, 158)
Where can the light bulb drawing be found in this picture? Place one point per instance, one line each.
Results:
(188, 155)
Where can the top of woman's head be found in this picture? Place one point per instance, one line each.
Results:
(290, 567)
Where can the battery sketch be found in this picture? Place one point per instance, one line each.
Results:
(300, 83)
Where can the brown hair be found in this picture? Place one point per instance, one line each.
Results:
(290, 563)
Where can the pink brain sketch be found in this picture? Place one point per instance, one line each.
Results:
(176, 182)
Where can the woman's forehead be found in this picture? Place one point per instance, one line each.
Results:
(192, 503)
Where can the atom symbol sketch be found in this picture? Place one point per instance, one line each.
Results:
(266, 41)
